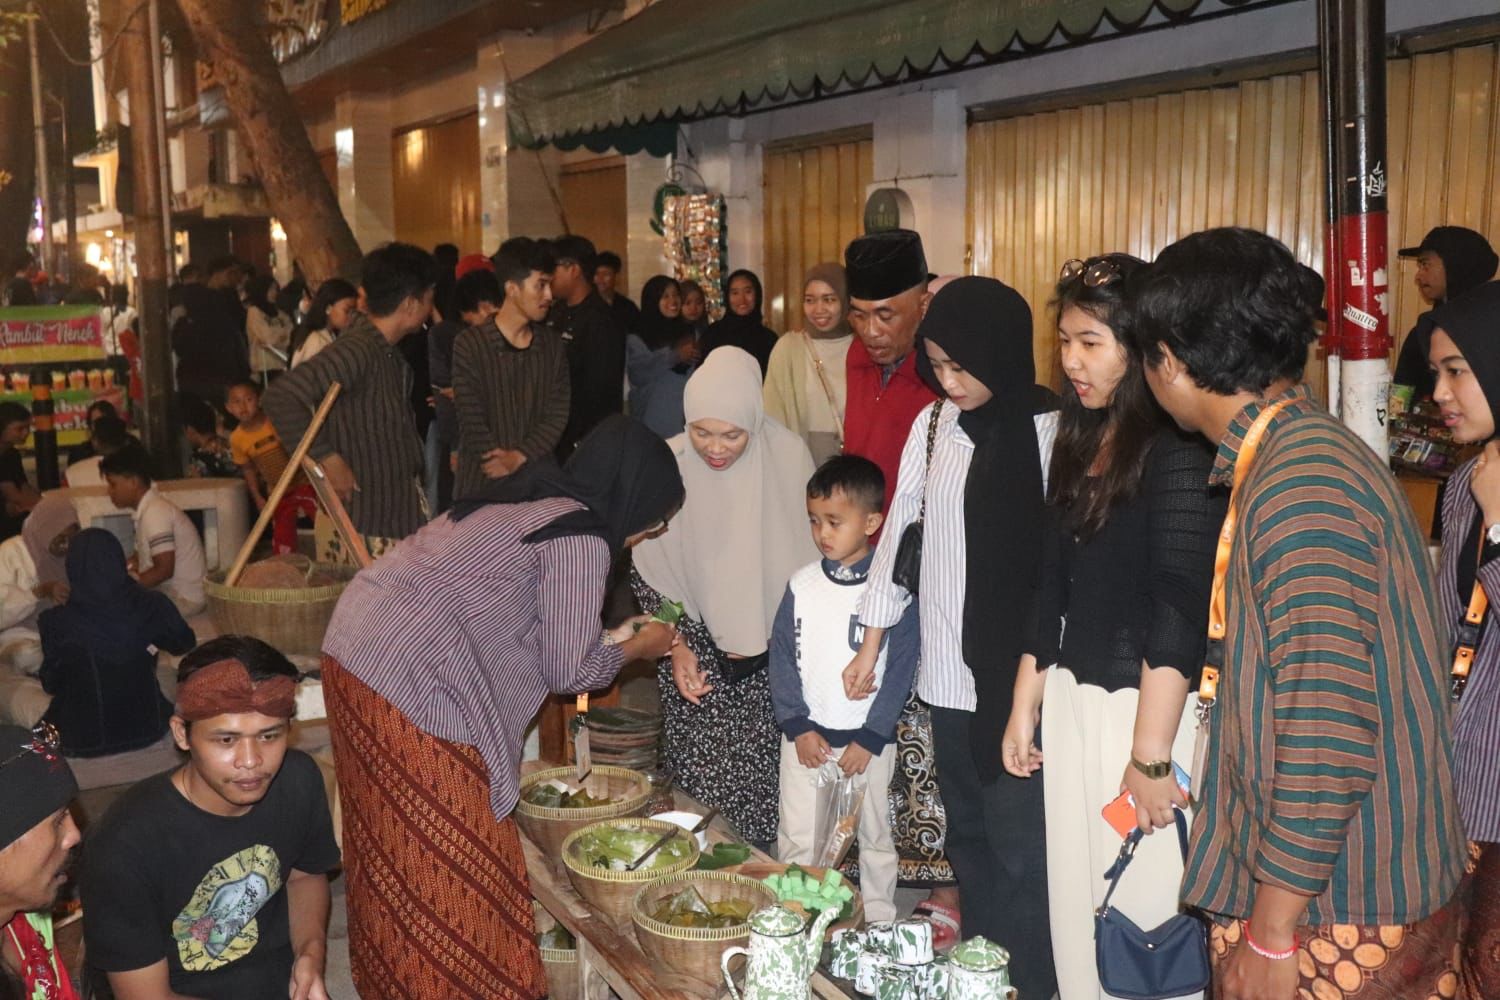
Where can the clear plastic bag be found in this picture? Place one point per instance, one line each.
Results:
(839, 817)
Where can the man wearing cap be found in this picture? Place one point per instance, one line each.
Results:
(37, 836)
(1451, 261)
(209, 880)
(887, 274)
(594, 337)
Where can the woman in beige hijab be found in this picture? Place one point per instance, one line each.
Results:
(805, 386)
(740, 535)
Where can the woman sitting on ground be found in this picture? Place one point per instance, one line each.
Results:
(99, 652)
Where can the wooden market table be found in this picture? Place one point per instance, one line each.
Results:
(608, 956)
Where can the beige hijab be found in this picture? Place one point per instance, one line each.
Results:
(742, 532)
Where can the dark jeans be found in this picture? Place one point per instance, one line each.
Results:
(997, 844)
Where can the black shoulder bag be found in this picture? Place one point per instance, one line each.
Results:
(907, 570)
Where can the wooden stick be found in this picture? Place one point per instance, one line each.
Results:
(353, 541)
(278, 491)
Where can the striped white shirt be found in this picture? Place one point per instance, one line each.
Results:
(944, 679)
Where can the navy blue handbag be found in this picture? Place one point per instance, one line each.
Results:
(1136, 964)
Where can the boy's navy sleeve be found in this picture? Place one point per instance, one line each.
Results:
(902, 650)
(786, 680)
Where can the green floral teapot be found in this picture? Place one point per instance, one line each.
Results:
(782, 957)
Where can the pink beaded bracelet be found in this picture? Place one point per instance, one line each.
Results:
(1275, 956)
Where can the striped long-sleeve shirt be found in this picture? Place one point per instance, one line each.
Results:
(1329, 771)
(1476, 721)
(943, 679)
(507, 398)
(466, 627)
(370, 427)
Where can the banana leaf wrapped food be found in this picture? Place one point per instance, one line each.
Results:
(688, 908)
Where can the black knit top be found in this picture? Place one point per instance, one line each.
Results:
(1137, 590)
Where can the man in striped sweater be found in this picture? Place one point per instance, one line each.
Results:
(510, 374)
(368, 448)
(1327, 845)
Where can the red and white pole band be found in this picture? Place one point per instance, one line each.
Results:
(1275, 956)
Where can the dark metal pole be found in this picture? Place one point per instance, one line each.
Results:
(1363, 264)
(44, 436)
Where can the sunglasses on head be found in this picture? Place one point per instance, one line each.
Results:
(1096, 274)
(45, 742)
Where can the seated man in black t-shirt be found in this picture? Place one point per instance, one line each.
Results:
(209, 881)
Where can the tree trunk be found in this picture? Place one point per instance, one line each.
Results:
(18, 152)
(229, 38)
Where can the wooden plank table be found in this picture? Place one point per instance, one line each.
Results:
(608, 956)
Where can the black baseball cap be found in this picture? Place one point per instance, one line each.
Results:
(1451, 241)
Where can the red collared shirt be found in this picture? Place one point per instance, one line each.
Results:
(878, 416)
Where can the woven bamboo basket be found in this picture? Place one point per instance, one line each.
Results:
(694, 951)
(759, 870)
(560, 964)
(611, 892)
(293, 619)
(548, 827)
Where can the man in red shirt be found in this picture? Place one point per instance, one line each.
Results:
(887, 275)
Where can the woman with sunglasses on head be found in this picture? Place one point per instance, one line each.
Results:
(1123, 602)
(1465, 354)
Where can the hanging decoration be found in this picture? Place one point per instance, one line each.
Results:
(693, 228)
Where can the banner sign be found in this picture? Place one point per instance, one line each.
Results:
(42, 334)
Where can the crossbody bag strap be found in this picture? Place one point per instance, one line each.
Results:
(1127, 852)
(932, 426)
(833, 406)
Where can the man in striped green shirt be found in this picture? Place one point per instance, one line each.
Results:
(1327, 836)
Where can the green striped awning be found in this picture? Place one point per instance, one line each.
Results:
(684, 59)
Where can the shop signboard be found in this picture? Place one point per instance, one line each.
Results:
(47, 334)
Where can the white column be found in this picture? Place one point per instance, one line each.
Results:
(731, 163)
(363, 143)
(645, 253)
(920, 145)
(519, 188)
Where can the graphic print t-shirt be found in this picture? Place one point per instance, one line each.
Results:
(162, 879)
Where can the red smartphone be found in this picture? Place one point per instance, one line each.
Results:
(1120, 813)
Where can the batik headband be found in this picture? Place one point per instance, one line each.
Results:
(225, 688)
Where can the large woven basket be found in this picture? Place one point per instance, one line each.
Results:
(611, 892)
(548, 827)
(695, 951)
(291, 619)
(560, 964)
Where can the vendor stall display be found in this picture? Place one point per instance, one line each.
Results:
(1420, 441)
(63, 348)
(694, 234)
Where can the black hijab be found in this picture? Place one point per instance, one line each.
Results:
(985, 327)
(622, 472)
(655, 329)
(104, 602)
(1472, 322)
(749, 333)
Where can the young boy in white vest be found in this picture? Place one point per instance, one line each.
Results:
(817, 628)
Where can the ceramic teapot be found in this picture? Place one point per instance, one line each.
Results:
(979, 970)
(782, 957)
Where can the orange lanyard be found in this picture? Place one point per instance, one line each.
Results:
(1469, 629)
(1208, 687)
